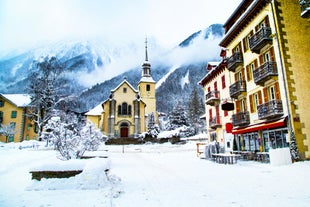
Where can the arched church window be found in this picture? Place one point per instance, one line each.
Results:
(124, 108)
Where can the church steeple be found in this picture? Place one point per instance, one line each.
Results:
(146, 66)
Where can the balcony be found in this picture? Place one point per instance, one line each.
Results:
(215, 122)
(213, 98)
(270, 109)
(234, 61)
(260, 39)
(241, 119)
(237, 88)
(305, 8)
(265, 72)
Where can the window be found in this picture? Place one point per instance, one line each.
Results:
(245, 41)
(11, 138)
(28, 127)
(148, 87)
(255, 100)
(223, 82)
(1, 103)
(14, 114)
(124, 90)
(12, 125)
(124, 109)
(249, 70)
(1, 117)
(272, 94)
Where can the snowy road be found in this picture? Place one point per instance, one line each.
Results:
(157, 175)
(179, 178)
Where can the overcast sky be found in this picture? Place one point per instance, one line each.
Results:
(29, 22)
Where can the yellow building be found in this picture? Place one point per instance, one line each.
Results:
(13, 109)
(266, 44)
(127, 111)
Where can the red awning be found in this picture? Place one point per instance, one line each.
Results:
(266, 125)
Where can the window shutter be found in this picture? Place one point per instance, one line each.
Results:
(244, 44)
(236, 77)
(265, 94)
(260, 101)
(248, 73)
(267, 21)
(255, 63)
(210, 113)
(277, 90)
(237, 106)
(251, 103)
(272, 54)
(261, 59)
(242, 73)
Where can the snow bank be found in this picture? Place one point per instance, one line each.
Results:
(94, 175)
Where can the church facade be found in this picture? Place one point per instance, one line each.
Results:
(127, 111)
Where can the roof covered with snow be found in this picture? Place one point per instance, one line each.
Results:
(147, 79)
(20, 100)
(95, 111)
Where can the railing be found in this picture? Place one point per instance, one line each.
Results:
(234, 61)
(260, 39)
(270, 109)
(241, 119)
(212, 97)
(305, 8)
(215, 121)
(265, 71)
(237, 88)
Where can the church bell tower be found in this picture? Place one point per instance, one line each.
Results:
(146, 85)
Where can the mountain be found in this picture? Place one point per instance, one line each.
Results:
(93, 68)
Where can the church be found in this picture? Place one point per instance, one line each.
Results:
(128, 111)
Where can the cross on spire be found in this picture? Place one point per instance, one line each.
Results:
(146, 56)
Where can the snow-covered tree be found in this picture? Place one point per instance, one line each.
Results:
(195, 110)
(70, 137)
(178, 117)
(153, 129)
(43, 89)
(7, 130)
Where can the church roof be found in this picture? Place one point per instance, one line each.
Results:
(125, 81)
(147, 79)
(95, 111)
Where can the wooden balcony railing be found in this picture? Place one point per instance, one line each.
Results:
(237, 88)
(241, 118)
(270, 109)
(234, 61)
(212, 97)
(260, 39)
(265, 72)
(215, 122)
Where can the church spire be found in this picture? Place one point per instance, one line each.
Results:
(146, 56)
(146, 66)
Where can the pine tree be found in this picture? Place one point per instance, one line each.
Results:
(178, 117)
(195, 110)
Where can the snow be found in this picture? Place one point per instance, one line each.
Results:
(97, 110)
(149, 175)
(19, 100)
(185, 80)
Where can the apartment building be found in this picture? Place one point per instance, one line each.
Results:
(266, 54)
(216, 89)
(15, 125)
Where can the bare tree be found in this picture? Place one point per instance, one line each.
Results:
(7, 130)
(44, 90)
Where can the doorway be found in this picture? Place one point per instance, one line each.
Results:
(124, 129)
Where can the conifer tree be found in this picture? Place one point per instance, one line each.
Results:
(195, 109)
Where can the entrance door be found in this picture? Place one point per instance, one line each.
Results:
(124, 130)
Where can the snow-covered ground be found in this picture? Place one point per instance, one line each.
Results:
(149, 175)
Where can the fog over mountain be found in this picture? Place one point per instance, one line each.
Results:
(94, 67)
